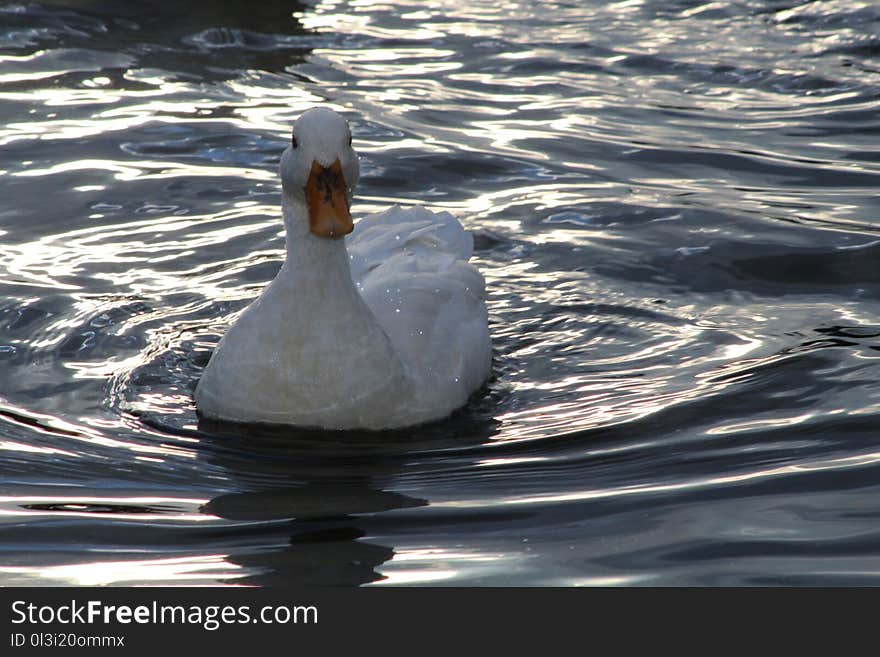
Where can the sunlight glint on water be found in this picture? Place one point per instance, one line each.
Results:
(674, 206)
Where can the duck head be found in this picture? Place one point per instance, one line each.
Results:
(320, 170)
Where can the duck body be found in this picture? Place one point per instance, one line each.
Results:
(383, 329)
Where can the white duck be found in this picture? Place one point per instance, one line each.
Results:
(389, 332)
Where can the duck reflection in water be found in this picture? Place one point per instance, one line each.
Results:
(304, 502)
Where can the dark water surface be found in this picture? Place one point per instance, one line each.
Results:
(676, 210)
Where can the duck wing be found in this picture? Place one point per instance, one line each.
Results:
(411, 268)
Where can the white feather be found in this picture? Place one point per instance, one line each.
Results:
(390, 332)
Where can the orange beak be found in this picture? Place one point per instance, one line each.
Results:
(327, 198)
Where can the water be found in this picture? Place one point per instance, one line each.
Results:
(675, 207)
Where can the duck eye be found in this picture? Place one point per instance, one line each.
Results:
(293, 141)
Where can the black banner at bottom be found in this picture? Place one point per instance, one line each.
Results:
(330, 621)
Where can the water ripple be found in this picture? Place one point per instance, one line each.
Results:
(673, 205)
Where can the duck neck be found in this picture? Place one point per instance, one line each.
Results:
(321, 263)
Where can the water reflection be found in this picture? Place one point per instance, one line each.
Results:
(316, 494)
(680, 255)
(219, 41)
